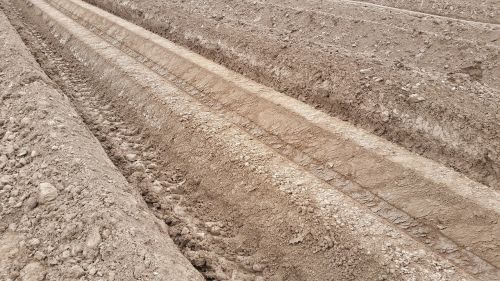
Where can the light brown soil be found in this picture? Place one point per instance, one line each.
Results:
(428, 83)
(487, 11)
(254, 185)
(66, 213)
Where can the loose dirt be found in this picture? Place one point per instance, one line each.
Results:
(65, 210)
(425, 82)
(249, 184)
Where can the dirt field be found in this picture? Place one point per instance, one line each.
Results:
(417, 80)
(66, 211)
(144, 156)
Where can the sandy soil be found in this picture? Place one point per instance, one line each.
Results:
(66, 213)
(428, 83)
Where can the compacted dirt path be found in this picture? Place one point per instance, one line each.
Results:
(253, 184)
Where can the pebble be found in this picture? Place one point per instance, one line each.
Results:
(31, 203)
(9, 149)
(47, 192)
(39, 255)
(131, 157)
(415, 98)
(5, 179)
(33, 271)
(155, 188)
(258, 267)
(22, 153)
(75, 271)
(34, 242)
(94, 238)
(92, 270)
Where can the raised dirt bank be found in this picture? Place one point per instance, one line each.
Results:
(65, 210)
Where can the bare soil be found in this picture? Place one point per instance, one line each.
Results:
(148, 165)
(225, 237)
(66, 212)
(427, 83)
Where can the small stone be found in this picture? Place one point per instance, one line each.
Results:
(155, 188)
(65, 255)
(94, 238)
(139, 167)
(9, 149)
(12, 226)
(3, 161)
(33, 271)
(92, 270)
(258, 267)
(5, 179)
(34, 242)
(39, 255)
(415, 98)
(31, 203)
(14, 192)
(22, 153)
(75, 271)
(131, 157)
(47, 192)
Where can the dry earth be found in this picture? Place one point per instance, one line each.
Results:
(66, 212)
(428, 83)
(232, 177)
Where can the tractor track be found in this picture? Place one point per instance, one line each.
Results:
(382, 185)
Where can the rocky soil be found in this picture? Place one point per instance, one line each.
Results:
(487, 11)
(429, 83)
(115, 167)
(66, 212)
(221, 237)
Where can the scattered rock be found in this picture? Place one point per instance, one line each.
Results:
(47, 192)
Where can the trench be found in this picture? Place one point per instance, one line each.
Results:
(213, 234)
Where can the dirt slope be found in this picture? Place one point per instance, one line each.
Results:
(66, 213)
